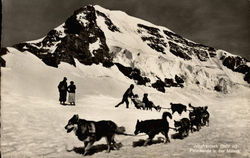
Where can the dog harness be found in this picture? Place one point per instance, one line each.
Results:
(91, 128)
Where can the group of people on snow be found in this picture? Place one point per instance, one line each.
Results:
(145, 104)
(63, 89)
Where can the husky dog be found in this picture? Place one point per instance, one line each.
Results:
(91, 131)
(178, 107)
(182, 126)
(154, 127)
(205, 116)
(195, 117)
(199, 116)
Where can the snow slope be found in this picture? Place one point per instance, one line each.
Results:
(33, 121)
(135, 52)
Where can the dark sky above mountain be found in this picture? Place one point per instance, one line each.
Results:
(223, 24)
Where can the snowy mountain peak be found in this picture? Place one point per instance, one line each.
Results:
(150, 55)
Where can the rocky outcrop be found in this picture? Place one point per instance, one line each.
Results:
(159, 85)
(152, 37)
(222, 86)
(179, 80)
(108, 22)
(237, 64)
(81, 32)
(133, 73)
(179, 51)
(247, 77)
(184, 48)
(3, 52)
(168, 82)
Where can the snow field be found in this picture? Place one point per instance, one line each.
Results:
(33, 121)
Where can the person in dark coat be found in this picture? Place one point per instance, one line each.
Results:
(72, 91)
(148, 104)
(128, 94)
(62, 88)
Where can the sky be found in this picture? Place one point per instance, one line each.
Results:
(223, 24)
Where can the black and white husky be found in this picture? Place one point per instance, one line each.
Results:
(91, 131)
(154, 127)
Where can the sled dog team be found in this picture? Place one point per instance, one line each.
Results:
(91, 131)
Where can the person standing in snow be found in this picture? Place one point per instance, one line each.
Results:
(72, 91)
(148, 104)
(62, 87)
(128, 94)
